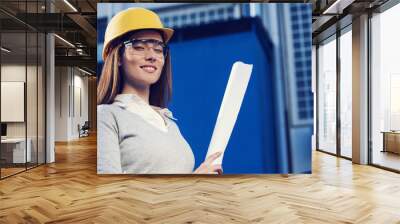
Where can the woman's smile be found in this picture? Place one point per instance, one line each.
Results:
(149, 68)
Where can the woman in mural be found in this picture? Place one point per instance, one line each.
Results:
(136, 132)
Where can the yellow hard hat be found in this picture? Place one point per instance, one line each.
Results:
(130, 20)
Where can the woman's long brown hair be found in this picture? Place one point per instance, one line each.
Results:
(111, 80)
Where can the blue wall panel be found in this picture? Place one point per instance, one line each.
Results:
(201, 69)
(301, 149)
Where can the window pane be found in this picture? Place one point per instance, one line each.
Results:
(386, 89)
(346, 94)
(14, 153)
(327, 96)
(31, 97)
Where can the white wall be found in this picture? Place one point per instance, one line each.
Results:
(17, 72)
(33, 126)
(61, 103)
(80, 85)
(71, 93)
(14, 72)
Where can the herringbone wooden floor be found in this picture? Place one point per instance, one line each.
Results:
(70, 191)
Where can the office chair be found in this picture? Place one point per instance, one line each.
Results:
(84, 130)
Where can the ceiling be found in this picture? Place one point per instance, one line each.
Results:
(328, 13)
(72, 20)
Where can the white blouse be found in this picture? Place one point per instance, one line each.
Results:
(149, 113)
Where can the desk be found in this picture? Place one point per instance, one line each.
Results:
(391, 141)
(15, 148)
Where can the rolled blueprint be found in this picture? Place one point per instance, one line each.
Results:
(229, 110)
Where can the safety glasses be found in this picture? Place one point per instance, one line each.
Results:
(141, 46)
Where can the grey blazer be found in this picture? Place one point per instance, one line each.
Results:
(127, 144)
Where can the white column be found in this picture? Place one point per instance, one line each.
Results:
(50, 92)
(50, 99)
(314, 91)
(360, 90)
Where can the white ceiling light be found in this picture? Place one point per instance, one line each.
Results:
(338, 6)
(5, 49)
(84, 71)
(65, 41)
(70, 5)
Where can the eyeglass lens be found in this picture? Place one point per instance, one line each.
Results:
(139, 47)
